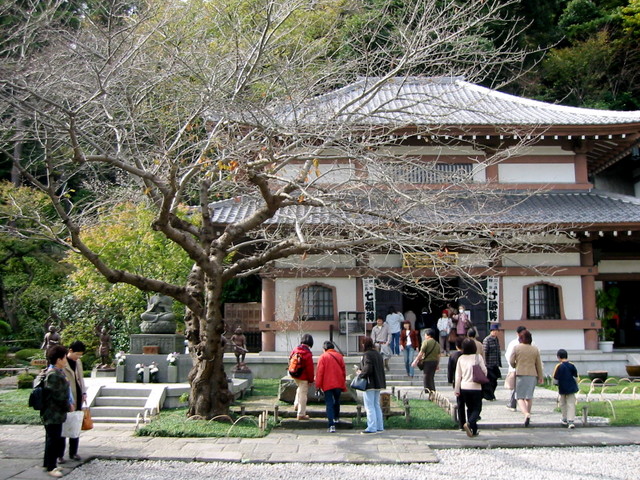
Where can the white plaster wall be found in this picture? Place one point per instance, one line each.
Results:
(324, 173)
(286, 341)
(551, 340)
(326, 261)
(619, 266)
(385, 261)
(513, 296)
(536, 173)
(541, 259)
(285, 308)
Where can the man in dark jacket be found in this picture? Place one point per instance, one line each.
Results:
(305, 377)
(56, 405)
(492, 358)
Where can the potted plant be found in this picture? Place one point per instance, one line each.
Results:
(607, 304)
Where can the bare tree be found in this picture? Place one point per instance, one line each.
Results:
(181, 104)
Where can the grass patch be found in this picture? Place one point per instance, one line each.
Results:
(174, 423)
(425, 415)
(265, 387)
(14, 408)
(612, 385)
(627, 412)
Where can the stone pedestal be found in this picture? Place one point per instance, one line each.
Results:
(166, 343)
(172, 374)
(120, 369)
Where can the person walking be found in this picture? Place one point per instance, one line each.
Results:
(55, 407)
(451, 378)
(381, 340)
(394, 322)
(469, 392)
(510, 381)
(564, 375)
(372, 369)
(430, 357)
(409, 343)
(75, 376)
(305, 376)
(330, 378)
(528, 364)
(492, 358)
(444, 327)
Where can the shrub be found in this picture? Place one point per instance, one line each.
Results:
(25, 380)
(27, 354)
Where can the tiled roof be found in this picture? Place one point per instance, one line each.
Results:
(594, 209)
(449, 101)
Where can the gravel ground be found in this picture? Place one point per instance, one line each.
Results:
(579, 463)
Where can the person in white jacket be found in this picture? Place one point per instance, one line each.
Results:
(466, 389)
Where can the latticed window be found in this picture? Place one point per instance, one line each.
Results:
(543, 302)
(429, 172)
(316, 303)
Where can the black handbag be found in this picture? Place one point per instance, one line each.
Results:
(359, 383)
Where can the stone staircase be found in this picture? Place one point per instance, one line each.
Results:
(122, 404)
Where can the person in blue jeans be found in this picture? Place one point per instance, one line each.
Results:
(409, 342)
(394, 321)
(372, 369)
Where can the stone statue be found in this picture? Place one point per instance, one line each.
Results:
(239, 344)
(159, 317)
(105, 348)
(51, 338)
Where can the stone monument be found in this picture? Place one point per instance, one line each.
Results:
(158, 328)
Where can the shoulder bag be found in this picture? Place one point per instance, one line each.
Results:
(359, 383)
(478, 375)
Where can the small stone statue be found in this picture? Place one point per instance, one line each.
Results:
(239, 344)
(51, 338)
(104, 350)
(159, 317)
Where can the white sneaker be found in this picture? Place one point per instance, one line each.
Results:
(56, 472)
(332, 429)
(571, 426)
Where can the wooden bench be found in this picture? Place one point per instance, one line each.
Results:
(14, 370)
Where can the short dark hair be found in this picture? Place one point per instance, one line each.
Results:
(327, 345)
(469, 346)
(55, 353)
(520, 329)
(367, 343)
(430, 331)
(472, 333)
(78, 346)
(562, 353)
(307, 340)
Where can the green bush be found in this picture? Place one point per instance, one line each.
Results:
(25, 380)
(4, 357)
(27, 354)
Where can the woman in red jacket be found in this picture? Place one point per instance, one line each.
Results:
(330, 378)
(305, 376)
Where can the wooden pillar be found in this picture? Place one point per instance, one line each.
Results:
(589, 311)
(268, 316)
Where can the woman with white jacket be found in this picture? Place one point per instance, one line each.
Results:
(468, 391)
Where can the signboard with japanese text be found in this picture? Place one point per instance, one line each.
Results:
(493, 299)
(369, 292)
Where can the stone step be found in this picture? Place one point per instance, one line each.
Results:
(103, 401)
(121, 391)
(107, 420)
(313, 423)
(117, 412)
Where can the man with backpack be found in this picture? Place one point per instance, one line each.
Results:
(301, 370)
(57, 402)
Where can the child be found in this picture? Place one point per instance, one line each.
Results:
(565, 375)
(239, 342)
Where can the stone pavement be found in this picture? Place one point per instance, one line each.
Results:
(21, 446)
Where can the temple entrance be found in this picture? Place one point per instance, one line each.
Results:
(628, 327)
(446, 290)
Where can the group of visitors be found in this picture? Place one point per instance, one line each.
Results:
(64, 392)
(331, 380)
(473, 369)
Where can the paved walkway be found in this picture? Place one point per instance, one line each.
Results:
(21, 446)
